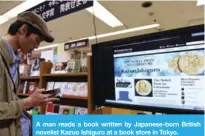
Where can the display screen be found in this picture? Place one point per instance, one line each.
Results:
(162, 73)
(168, 76)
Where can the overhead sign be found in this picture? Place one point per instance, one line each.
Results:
(50, 10)
(76, 44)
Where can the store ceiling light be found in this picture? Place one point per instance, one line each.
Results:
(125, 31)
(200, 2)
(3, 19)
(103, 14)
(22, 7)
(46, 47)
(107, 35)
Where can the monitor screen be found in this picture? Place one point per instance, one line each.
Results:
(163, 73)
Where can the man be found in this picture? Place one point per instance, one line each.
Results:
(26, 33)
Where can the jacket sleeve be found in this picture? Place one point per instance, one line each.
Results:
(11, 110)
(8, 110)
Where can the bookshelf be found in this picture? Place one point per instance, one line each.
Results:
(74, 97)
(29, 78)
(72, 100)
(82, 101)
(80, 74)
(45, 68)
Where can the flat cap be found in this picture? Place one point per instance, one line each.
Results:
(37, 22)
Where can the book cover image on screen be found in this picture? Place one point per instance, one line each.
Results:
(160, 74)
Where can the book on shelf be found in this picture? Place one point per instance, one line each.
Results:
(35, 69)
(80, 111)
(25, 69)
(65, 109)
(50, 85)
(32, 87)
(84, 62)
(76, 62)
(69, 88)
(21, 87)
(70, 66)
(27, 87)
(60, 67)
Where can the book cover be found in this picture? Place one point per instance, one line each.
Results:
(81, 111)
(50, 85)
(32, 87)
(64, 109)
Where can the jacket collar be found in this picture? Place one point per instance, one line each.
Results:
(6, 53)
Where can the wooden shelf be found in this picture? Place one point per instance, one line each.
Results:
(30, 78)
(74, 97)
(81, 74)
(23, 95)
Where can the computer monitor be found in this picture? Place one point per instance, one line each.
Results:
(158, 72)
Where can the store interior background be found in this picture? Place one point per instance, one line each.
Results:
(78, 25)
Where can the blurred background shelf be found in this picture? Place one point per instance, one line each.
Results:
(81, 74)
(30, 78)
(74, 97)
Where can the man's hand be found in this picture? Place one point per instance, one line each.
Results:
(37, 98)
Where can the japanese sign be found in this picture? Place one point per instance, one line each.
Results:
(76, 44)
(50, 10)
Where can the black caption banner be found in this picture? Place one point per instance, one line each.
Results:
(50, 10)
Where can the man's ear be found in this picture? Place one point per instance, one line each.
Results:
(23, 29)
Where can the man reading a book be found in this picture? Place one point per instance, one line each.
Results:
(25, 34)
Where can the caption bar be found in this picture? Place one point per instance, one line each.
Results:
(118, 125)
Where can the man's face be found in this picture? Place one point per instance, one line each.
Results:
(28, 43)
